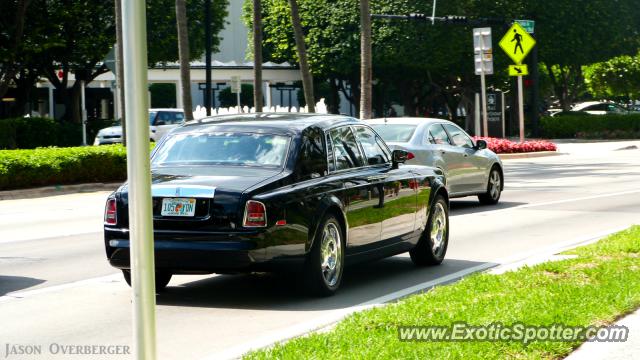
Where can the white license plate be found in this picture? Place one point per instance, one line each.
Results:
(178, 207)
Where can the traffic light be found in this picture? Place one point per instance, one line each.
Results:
(455, 19)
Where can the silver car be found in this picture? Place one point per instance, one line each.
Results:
(469, 167)
(161, 121)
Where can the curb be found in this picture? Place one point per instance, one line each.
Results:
(529, 155)
(57, 190)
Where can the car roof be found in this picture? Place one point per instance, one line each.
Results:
(267, 122)
(406, 121)
(582, 105)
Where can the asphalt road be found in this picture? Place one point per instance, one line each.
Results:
(56, 287)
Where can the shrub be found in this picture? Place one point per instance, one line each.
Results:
(592, 126)
(30, 133)
(55, 166)
(506, 146)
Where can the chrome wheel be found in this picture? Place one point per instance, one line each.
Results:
(438, 229)
(494, 185)
(331, 254)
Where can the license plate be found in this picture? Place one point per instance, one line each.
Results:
(178, 207)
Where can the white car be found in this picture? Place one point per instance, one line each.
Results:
(599, 108)
(161, 121)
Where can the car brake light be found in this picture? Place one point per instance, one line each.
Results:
(410, 156)
(110, 212)
(255, 214)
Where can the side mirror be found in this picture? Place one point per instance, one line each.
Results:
(481, 145)
(399, 157)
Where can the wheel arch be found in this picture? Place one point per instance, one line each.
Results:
(329, 205)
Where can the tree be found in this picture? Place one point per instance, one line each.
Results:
(183, 50)
(12, 20)
(589, 37)
(257, 55)
(618, 77)
(301, 47)
(365, 61)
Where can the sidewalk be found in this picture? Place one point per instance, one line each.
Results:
(629, 349)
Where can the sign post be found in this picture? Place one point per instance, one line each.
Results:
(139, 173)
(483, 51)
(236, 88)
(517, 43)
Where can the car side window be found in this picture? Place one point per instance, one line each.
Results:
(345, 149)
(312, 162)
(458, 136)
(437, 135)
(373, 152)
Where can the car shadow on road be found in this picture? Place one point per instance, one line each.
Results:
(463, 207)
(283, 292)
(14, 283)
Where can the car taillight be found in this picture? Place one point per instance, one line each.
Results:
(410, 156)
(110, 212)
(255, 214)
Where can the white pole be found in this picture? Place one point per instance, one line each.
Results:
(239, 105)
(521, 108)
(477, 116)
(51, 104)
(83, 112)
(502, 112)
(485, 122)
(433, 13)
(139, 174)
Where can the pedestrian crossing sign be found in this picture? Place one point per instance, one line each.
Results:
(517, 43)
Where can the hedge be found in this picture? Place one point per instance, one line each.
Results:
(592, 126)
(57, 166)
(30, 133)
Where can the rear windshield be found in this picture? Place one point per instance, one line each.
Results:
(395, 132)
(245, 149)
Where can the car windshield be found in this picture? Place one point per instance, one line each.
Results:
(245, 149)
(395, 132)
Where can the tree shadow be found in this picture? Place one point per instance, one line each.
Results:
(14, 283)
(472, 206)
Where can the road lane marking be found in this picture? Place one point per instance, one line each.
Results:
(555, 202)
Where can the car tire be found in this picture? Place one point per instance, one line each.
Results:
(433, 243)
(162, 279)
(494, 188)
(324, 265)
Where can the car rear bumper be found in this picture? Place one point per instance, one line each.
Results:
(188, 253)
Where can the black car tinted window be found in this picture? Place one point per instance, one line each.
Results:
(437, 135)
(312, 161)
(372, 151)
(222, 148)
(345, 149)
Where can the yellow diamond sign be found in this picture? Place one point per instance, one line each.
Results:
(517, 43)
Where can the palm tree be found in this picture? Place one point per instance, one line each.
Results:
(365, 60)
(183, 53)
(257, 56)
(307, 78)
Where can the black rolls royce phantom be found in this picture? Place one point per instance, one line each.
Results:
(260, 192)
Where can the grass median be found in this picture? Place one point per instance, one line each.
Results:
(596, 287)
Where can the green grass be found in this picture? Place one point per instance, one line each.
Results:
(595, 288)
